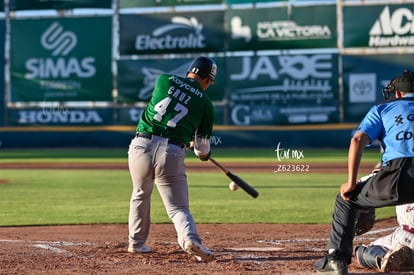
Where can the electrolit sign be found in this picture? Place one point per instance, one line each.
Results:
(180, 33)
(66, 60)
(172, 32)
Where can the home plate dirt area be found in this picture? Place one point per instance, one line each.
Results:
(238, 248)
(102, 249)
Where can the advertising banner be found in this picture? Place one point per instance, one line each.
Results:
(379, 26)
(297, 27)
(57, 4)
(164, 3)
(61, 59)
(2, 95)
(364, 77)
(48, 115)
(136, 78)
(178, 32)
(283, 89)
(230, 2)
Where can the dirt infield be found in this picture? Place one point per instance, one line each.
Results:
(239, 248)
(101, 249)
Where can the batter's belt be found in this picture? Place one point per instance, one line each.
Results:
(170, 141)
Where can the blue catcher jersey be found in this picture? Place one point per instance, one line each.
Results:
(392, 123)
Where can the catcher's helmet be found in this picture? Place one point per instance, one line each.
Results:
(204, 67)
(402, 83)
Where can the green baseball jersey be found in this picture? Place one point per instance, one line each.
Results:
(178, 107)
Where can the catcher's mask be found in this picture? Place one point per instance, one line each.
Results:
(402, 83)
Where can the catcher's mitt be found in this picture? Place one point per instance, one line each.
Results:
(365, 221)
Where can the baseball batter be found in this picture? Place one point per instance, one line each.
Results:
(178, 113)
(393, 252)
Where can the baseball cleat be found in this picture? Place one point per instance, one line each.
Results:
(200, 252)
(332, 264)
(134, 248)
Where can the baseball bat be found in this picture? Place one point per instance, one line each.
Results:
(236, 179)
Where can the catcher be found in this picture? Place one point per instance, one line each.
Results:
(393, 252)
(392, 123)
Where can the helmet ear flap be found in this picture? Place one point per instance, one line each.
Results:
(388, 92)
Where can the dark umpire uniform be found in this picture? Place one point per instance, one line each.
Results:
(392, 123)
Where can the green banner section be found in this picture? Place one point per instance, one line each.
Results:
(164, 3)
(57, 4)
(178, 32)
(136, 78)
(379, 26)
(364, 76)
(61, 59)
(282, 27)
(283, 89)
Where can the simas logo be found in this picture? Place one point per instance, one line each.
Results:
(60, 43)
(181, 33)
(394, 29)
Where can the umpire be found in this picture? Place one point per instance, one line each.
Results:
(392, 123)
(178, 113)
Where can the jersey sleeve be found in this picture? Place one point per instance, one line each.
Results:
(205, 129)
(371, 124)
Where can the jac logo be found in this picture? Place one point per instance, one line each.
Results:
(60, 43)
(297, 67)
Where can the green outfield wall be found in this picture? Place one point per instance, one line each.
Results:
(76, 72)
(326, 136)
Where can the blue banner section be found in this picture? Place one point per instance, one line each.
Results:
(364, 77)
(2, 64)
(57, 4)
(60, 116)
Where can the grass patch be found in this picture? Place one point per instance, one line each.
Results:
(49, 197)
